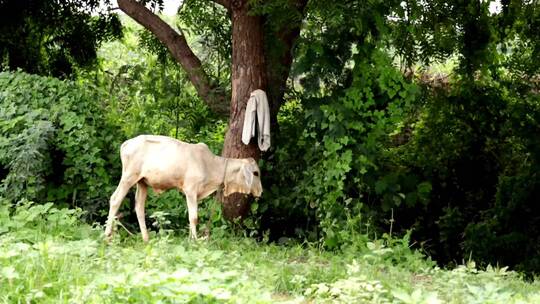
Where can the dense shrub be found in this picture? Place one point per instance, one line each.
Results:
(458, 164)
(56, 143)
(342, 175)
(476, 144)
(47, 255)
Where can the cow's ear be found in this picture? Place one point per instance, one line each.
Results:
(248, 175)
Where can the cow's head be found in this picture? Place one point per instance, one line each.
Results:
(244, 177)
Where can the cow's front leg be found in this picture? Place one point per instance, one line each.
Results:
(192, 212)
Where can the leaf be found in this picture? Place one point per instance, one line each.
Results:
(254, 207)
(424, 189)
(380, 186)
(402, 295)
(9, 273)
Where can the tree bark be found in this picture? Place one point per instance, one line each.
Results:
(248, 74)
(182, 53)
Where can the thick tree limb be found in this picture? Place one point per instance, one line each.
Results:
(180, 50)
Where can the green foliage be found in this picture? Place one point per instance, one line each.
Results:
(47, 255)
(349, 143)
(345, 143)
(332, 35)
(55, 142)
(147, 95)
(441, 29)
(209, 25)
(30, 221)
(474, 143)
(465, 284)
(432, 33)
(364, 149)
(45, 37)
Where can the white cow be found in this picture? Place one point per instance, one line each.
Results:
(164, 163)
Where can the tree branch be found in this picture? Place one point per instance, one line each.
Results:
(182, 53)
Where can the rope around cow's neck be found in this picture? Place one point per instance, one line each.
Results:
(225, 172)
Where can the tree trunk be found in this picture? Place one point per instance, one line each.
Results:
(248, 74)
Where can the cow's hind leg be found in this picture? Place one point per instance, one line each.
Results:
(116, 200)
(140, 198)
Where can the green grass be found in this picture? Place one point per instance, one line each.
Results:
(48, 256)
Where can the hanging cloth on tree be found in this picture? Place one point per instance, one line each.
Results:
(257, 108)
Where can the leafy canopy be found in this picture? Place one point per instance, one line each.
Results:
(50, 37)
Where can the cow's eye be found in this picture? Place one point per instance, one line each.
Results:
(256, 173)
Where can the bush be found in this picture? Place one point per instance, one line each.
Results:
(456, 164)
(476, 143)
(56, 143)
(342, 176)
(29, 222)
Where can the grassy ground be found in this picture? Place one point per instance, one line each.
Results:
(48, 256)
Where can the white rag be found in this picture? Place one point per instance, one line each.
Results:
(257, 106)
